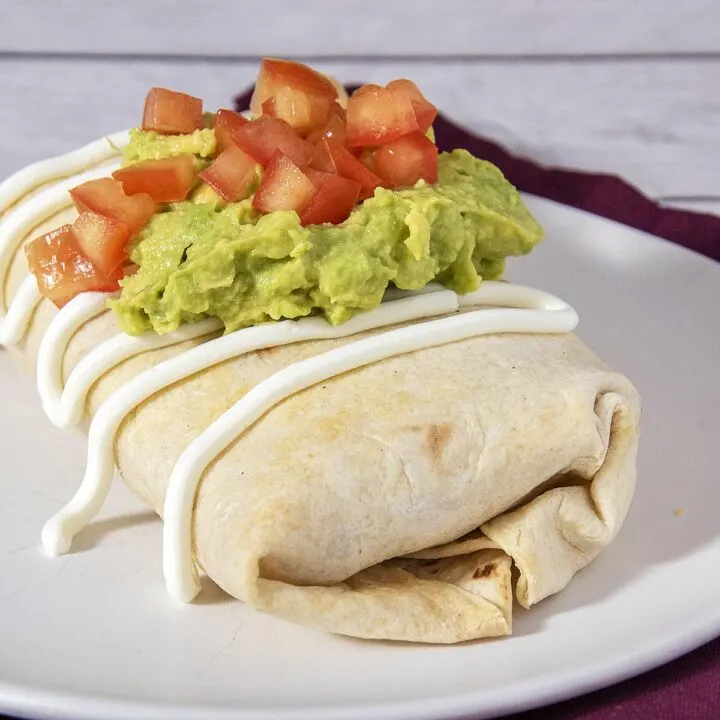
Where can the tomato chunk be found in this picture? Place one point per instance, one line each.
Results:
(407, 160)
(284, 186)
(425, 111)
(262, 137)
(62, 270)
(334, 129)
(102, 240)
(106, 197)
(375, 115)
(227, 123)
(317, 177)
(165, 180)
(269, 108)
(299, 95)
(322, 159)
(172, 113)
(347, 165)
(333, 201)
(230, 174)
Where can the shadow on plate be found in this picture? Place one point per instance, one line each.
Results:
(94, 533)
(212, 594)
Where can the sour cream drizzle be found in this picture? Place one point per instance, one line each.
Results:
(33, 176)
(512, 308)
(17, 222)
(64, 405)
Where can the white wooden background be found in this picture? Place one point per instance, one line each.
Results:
(625, 86)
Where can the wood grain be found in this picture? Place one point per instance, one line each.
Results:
(372, 27)
(652, 121)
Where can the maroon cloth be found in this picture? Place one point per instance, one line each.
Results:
(690, 686)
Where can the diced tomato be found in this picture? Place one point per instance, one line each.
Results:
(102, 240)
(425, 111)
(230, 174)
(165, 180)
(407, 160)
(376, 116)
(334, 129)
(284, 186)
(262, 137)
(322, 159)
(105, 196)
(172, 113)
(227, 123)
(62, 270)
(347, 165)
(301, 96)
(332, 202)
(276, 72)
(317, 177)
(269, 107)
(366, 158)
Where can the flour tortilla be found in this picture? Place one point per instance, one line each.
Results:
(390, 502)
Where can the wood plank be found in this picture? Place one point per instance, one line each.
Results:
(373, 27)
(652, 122)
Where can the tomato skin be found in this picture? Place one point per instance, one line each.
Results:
(322, 159)
(106, 197)
(375, 116)
(317, 177)
(406, 160)
(425, 111)
(347, 165)
(298, 94)
(230, 174)
(172, 113)
(284, 186)
(333, 201)
(296, 75)
(263, 136)
(165, 180)
(62, 270)
(102, 240)
(335, 128)
(227, 123)
(269, 108)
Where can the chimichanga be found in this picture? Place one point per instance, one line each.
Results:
(377, 479)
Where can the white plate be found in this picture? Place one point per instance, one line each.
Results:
(94, 634)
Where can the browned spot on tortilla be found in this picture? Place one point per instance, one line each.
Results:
(438, 436)
(485, 571)
(269, 352)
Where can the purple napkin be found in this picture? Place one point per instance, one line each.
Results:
(605, 195)
(689, 686)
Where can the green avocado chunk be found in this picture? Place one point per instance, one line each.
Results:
(198, 260)
(148, 145)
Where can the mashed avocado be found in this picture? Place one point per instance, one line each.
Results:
(146, 145)
(200, 260)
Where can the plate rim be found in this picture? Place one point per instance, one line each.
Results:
(56, 704)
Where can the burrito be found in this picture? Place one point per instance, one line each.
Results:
(342, 413)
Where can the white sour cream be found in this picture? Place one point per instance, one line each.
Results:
(21, 218)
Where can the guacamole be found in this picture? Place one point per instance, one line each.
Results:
(153, 146)
(200, 259)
